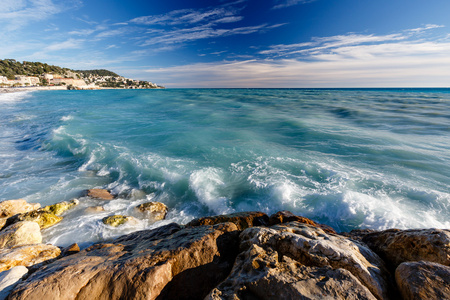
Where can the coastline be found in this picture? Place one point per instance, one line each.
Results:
(60, 88)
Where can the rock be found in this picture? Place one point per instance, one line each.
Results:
(21, 233)
(43, 218)
(301, 252)
(100, 194)
(423, 280)
(397, 246)
(27, 255)
(118, 220)
(10, 208)
(94, 209)
(69, 250)
(141, 265)
(9, 279)
(242, 220)
(263, 274)
(61, 207)
(357, 234)
(156, 211)
(286, 216)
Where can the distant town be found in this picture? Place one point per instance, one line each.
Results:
(36, 74)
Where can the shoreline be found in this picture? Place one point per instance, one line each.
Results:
(245, 255)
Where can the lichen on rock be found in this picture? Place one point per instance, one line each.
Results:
(117, 220)
(61, 207)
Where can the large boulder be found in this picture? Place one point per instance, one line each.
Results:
(42, 217)
(286, 217)
(141, 265)
(155, 211)
(10, 208)
(423, 280)
(302, 252)
(261, 273)
(100, 194)
(9, 279)
(242, 220)
(27, 255)
(61, 207)
(397, 246)
(21, 233)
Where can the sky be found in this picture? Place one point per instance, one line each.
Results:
(238, 43)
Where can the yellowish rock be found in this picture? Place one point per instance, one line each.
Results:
(27, 255)
(21, 233)
(10, 208)
(42, 217)
(118, 220)
(61, 207)
(154, 210)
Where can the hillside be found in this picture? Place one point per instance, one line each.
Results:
(12, 70)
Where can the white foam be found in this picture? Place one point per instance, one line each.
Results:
(67, 118)
(13, 97)
(206, 184)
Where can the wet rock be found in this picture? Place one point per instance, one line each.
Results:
(61, 207)
(286, 216)
(21, 233)
(242, 220)
(397, 246)
(118, 220)
(155, 211)
(44, 218)
(9, 279)
(264, 274)
(137, 266)
(100, 194)
(10, 208)
(27, 255)
(303, 250)
(423, 280)
(94, 209)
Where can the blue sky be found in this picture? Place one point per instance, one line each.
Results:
(238, 43)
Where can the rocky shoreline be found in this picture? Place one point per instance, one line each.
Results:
(247, 255)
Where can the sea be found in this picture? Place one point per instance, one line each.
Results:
(348, 158)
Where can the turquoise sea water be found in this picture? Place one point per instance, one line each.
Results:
(347, 158)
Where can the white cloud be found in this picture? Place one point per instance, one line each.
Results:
(15, 14)
(69, 44)
(186, 16)
(287, 3)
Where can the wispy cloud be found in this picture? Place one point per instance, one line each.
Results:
(186, 25)
(178, 36)
(15, 14)
(340, 44)
(287, 3)
(189, 16)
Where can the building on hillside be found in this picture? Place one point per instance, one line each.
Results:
(68, 81)
(3, 80)
(47, 76)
